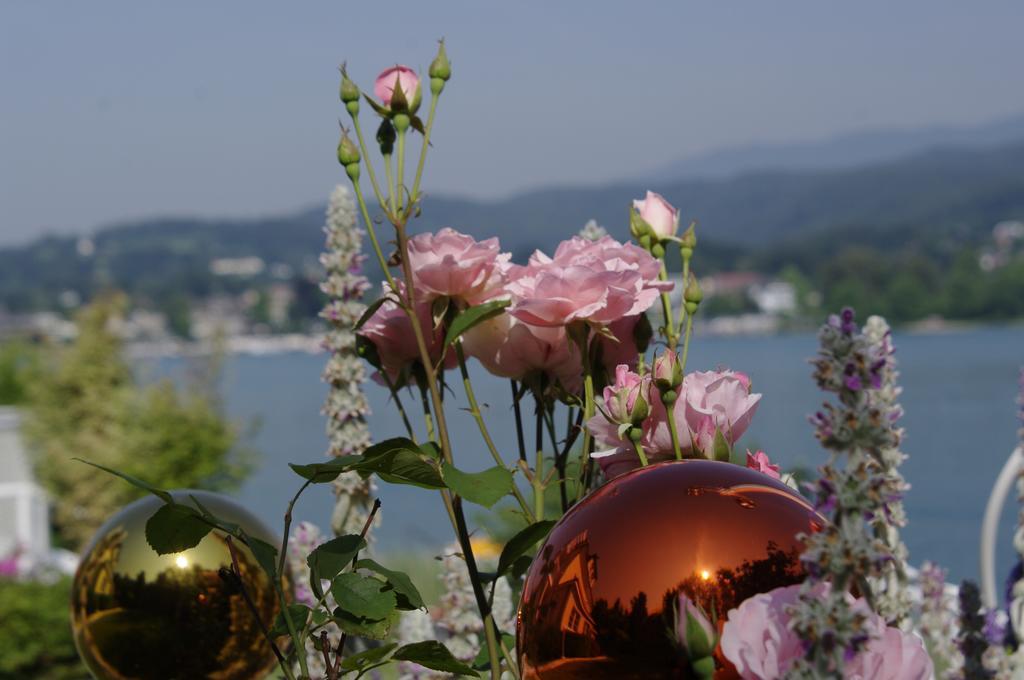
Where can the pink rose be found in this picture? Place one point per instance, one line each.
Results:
(894, 655)
(709, 401)
(627, 400)
(667, 372)
(592, 281)
(718, 401)
(609, 254)
(456, 265)
(509, 348)
(391, 332)
(757, 639)
(658, 214)
(558, 296)
(759, 461)
(407, 80)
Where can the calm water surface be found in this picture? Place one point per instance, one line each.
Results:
(959, 391)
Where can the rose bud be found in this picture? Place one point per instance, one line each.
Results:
(659, 214)
(696, 635)
(398, 88)
(626, 402)
(440, 69)
(667, 372)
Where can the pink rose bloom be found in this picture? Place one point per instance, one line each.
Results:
(557, 296)
(456, 265)
(759, 461)
(609, 254)
(509, 348)
(662, 217)
(757, 639)
(628, 398)
(592, 281)
(717, 400)
(893, 655)
(407, 80)
(391, 332)
(708, 401)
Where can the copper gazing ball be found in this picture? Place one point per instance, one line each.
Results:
(137, 614)
(600, 597)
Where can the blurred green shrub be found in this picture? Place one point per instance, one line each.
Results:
(84, 402)
(16, 362)
(35, 633)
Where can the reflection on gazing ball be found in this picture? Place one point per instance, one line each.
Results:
(137, 614)
(600, 597)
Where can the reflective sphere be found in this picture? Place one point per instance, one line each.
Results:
(137, 614)
(600, 597)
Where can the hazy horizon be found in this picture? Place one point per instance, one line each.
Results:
(122, 110)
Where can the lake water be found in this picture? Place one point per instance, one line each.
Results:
(959, 391)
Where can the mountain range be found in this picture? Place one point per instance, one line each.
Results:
(949, 195)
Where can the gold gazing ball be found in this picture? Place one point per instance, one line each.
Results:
(600, 597)
(136, 614)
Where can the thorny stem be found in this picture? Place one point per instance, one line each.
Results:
(640, 452)
(682, 292)
(392, 205)
(519, 421)
(671, 336)
(400, 180)
(414, 196)
(398, 403)
(686, 341)
(373, 237)
(453, 503)
(237, 572)
(288, 526)
(538, 472)
(672, 429)
(369, 165)
(474, 409)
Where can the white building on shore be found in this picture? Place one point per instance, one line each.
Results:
(24, 514)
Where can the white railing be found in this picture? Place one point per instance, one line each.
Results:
(990, 525)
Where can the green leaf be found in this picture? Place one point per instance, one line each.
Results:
(417, 124)
(134, 481)
(265, 554)
(375, 629)
(371, 309)
(433, 655)
(399, 461)
(482, 662)
(363, 596)
(403, 586)
(370, 657)
(521, 542)
(330, 558)
(471, 316)
(431, 450)
(483, 488)
(722, 450)
(174, 528)
(315, 585)
(297, 613)
(321, 473)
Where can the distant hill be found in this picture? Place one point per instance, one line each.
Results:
(842, 151)
(927, 194)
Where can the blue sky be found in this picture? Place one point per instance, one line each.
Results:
(116, 110)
